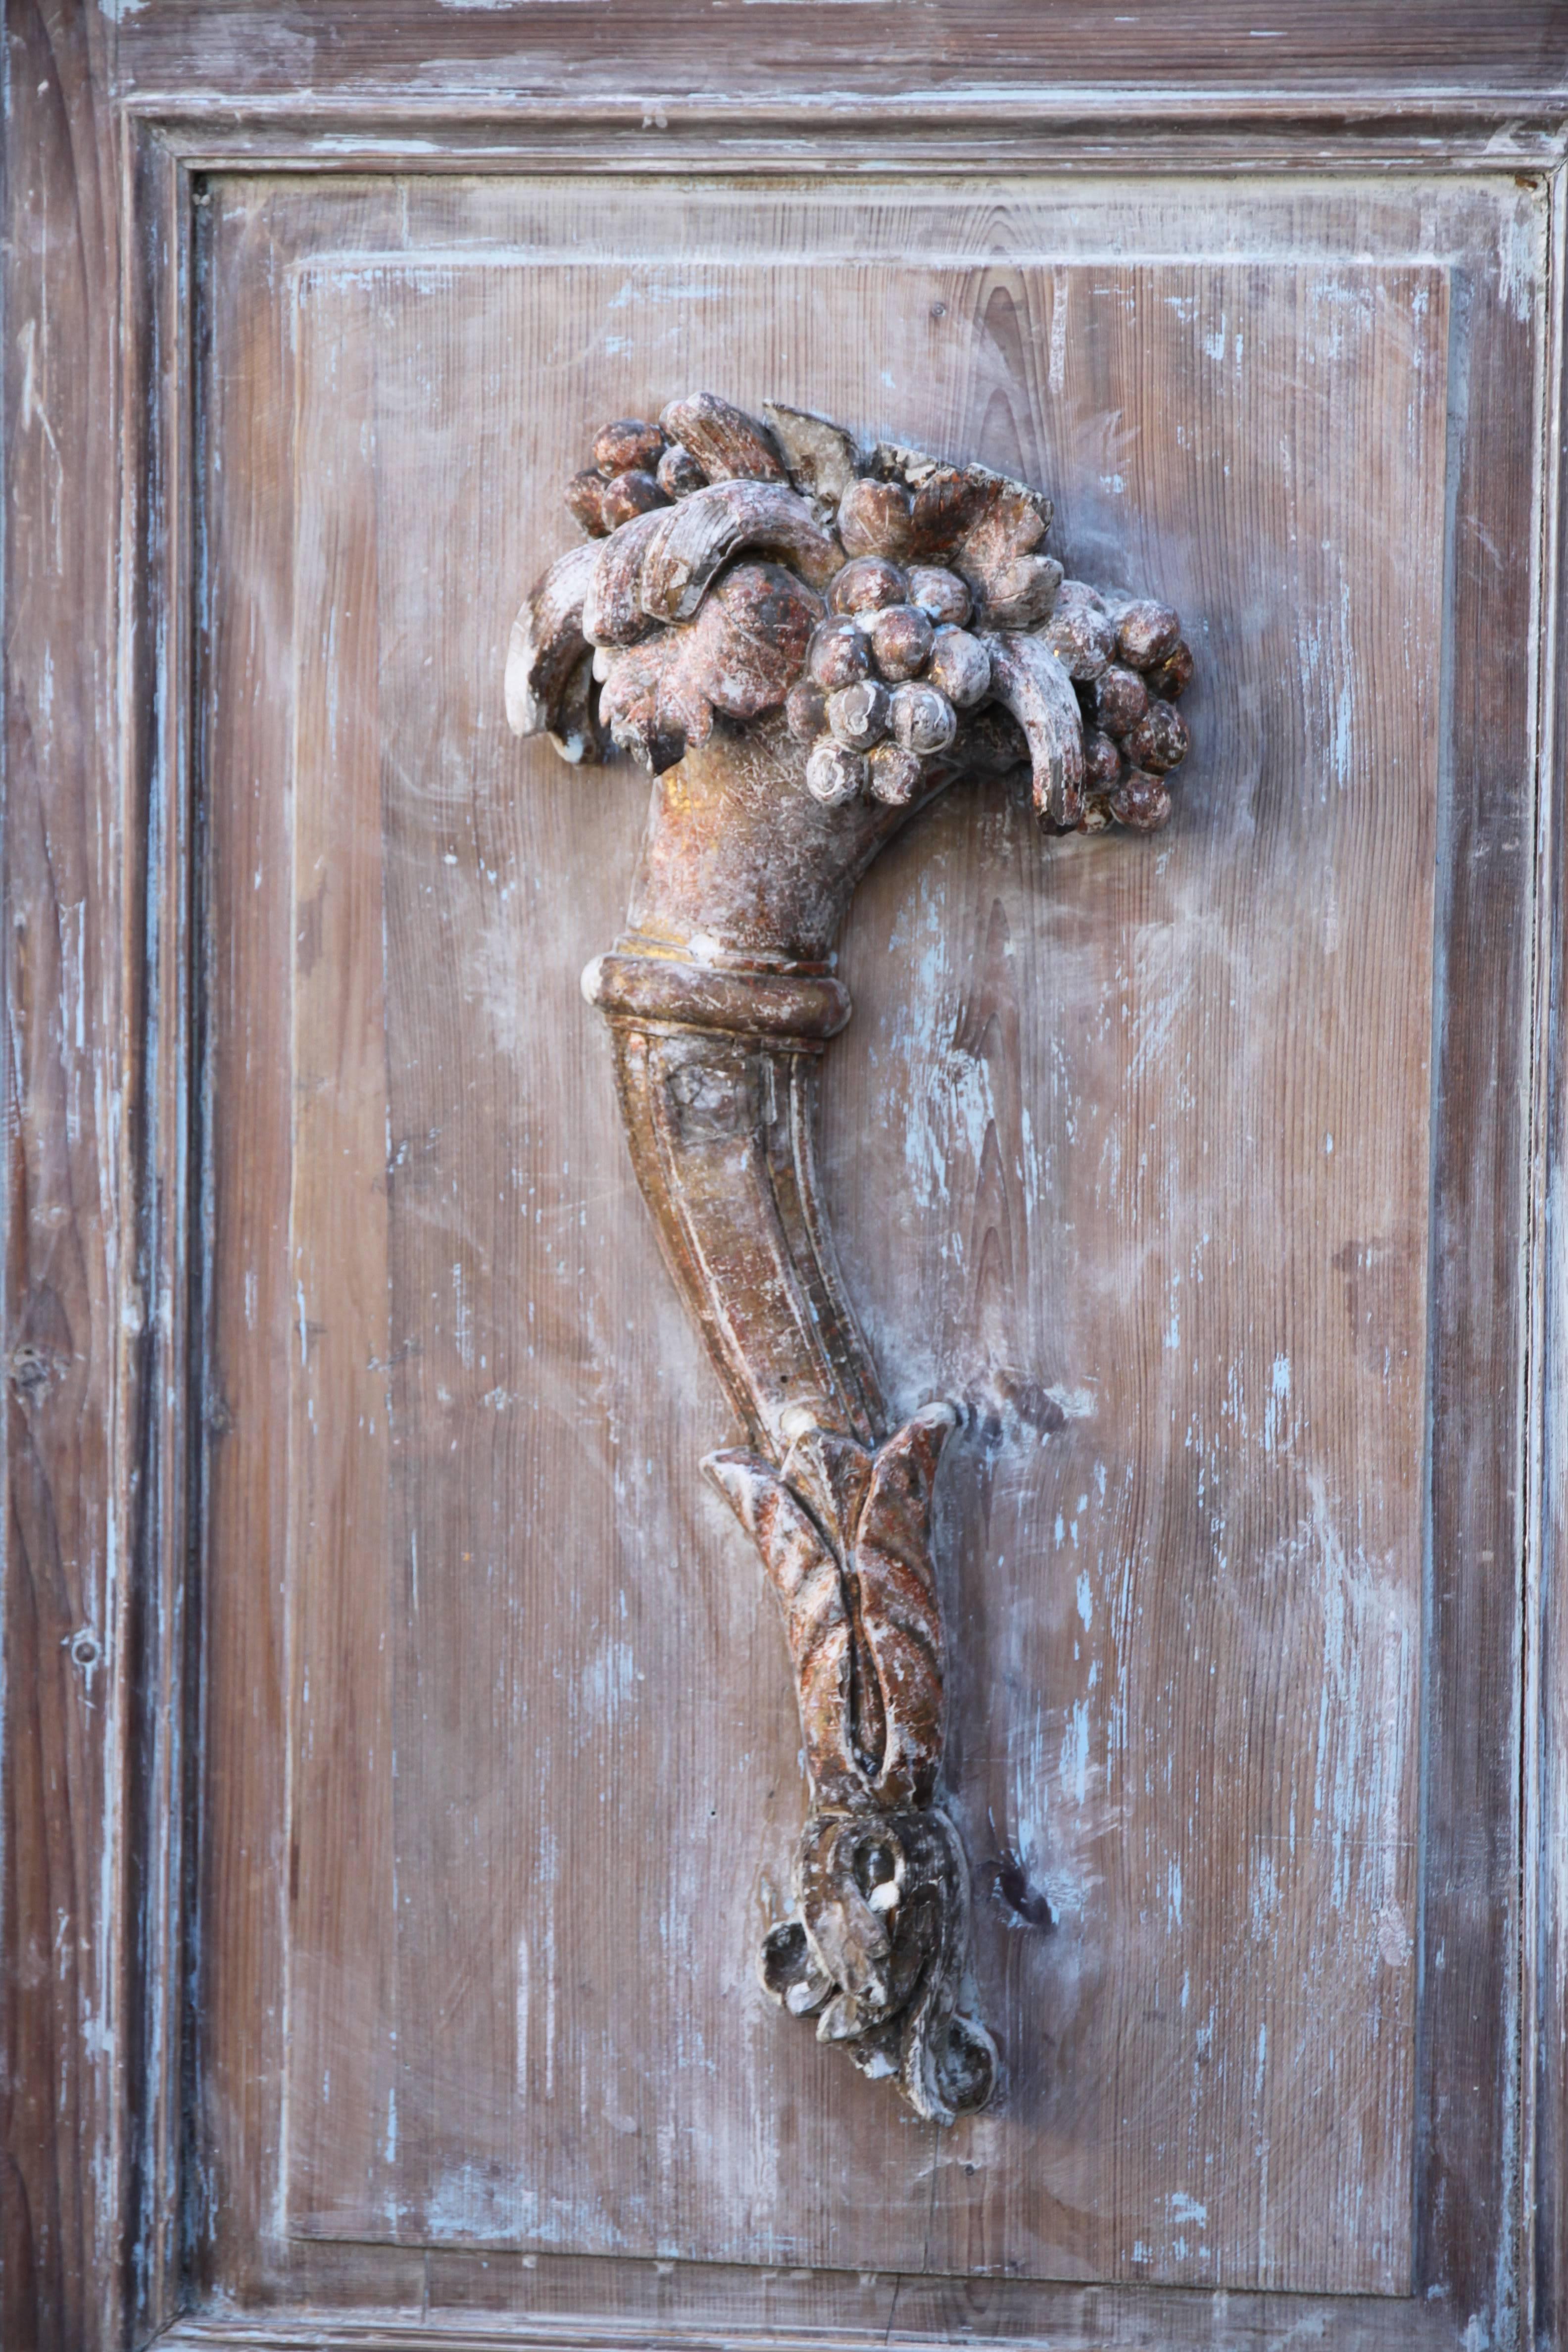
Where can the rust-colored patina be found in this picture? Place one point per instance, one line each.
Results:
(805, 643)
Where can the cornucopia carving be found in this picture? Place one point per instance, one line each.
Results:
(804, 642)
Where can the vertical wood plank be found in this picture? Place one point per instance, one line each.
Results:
(73, 1344)
(1468, 2180)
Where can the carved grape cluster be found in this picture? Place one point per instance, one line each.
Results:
(888, 673)
(1129, 661)
(899, 612)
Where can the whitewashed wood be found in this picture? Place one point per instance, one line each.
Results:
(92, 2132)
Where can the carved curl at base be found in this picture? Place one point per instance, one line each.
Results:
(877, 1953)
(879, 1949)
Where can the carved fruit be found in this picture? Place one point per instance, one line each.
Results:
(923, 720)
(1141, 801)
(703, 531)
(1020, 593)
(834, 773)
(747, 645)
(585, 503)
(1169, 677)
(867, 585)
(612, 614)
(961, 667)
(839, 655)
(726, 443)
(627, 495)
(1080, 632)
(901, 640)
(894, 775)
(858, 714)
(679, 473)
(1120, 698)
(1159, 740)
(630, 445)
(805, 711)
(1147, 632)
(1102, 761)
(874, 518)
(942, 595)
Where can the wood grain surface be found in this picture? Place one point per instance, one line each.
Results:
(944, 53)
(478, 1889)
(72, 1347)
(1148, 1129)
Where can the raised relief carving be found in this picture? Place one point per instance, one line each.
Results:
(804, 643)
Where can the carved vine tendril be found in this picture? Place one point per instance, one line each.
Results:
(803, 643)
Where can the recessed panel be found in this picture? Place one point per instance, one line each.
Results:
(1141, 1123)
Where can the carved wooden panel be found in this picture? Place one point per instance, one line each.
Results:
(1133, 1136)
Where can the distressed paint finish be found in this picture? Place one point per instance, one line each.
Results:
(102, 2131)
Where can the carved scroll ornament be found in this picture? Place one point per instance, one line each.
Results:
(804, 643)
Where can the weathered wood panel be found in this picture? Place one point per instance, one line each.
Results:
(1021, 1030)
(73, 2115)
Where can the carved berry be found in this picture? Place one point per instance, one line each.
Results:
(894, 775)
(585, 503)
(942, 595)
(858, 714)
(1168, 677)
(1102, 761)
(1141, 801)
(1160, 742)
(1120, 698)
(1022, 594)
(922, 719)
(960, 667)
(874, 518)
(805, 711)
(1147, 632)
(1080, 632)
(901, 640)
(834, 773)
(679, 473)
(838, 653)
(866, 585)
(628, 495)
(630, 445)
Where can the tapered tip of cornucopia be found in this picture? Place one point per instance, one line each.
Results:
(898, 615)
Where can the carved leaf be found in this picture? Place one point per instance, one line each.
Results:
(804, 1572)
(547, 643)
(726, 443)
(612, 615)
(898, 1616)
(820, 457)
(1028, 679)
(695, 538)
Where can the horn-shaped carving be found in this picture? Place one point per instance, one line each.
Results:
(803, 643)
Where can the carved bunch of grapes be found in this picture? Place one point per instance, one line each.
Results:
(897, 615)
